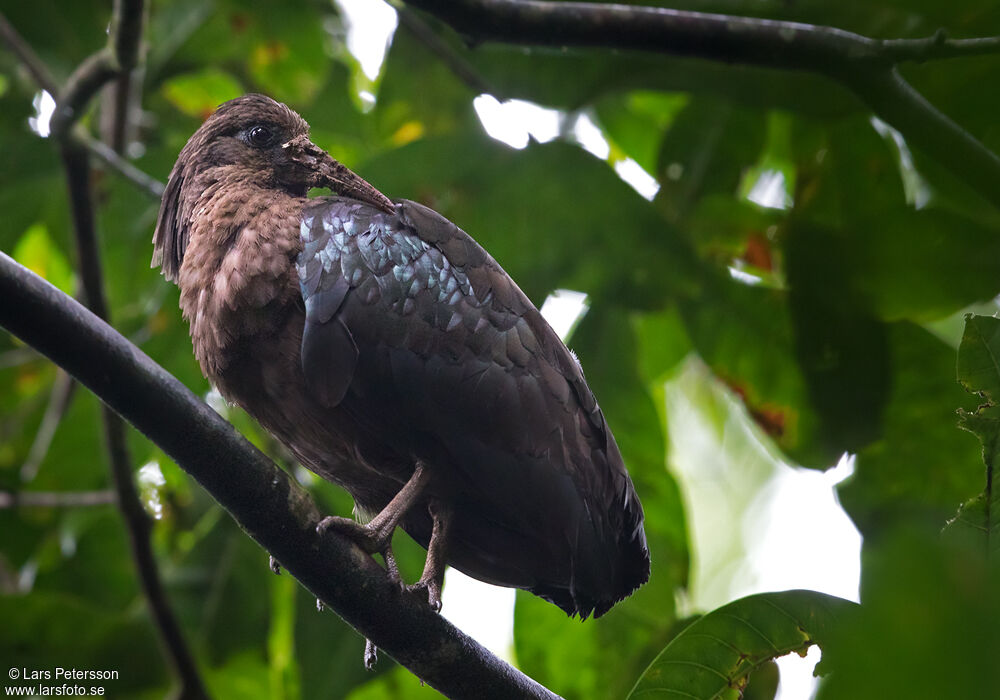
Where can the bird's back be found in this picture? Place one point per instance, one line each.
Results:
(417, 337)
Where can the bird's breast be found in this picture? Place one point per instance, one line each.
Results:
(237, 280)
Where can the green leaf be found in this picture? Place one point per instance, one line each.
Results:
(978, 520)
(744, 334)
(198, 94)
(715, 655)
(634, 122)
(39, 253)
(979, 357)
(284, 670)
(927, 627)
(922, 467)
(889, 259)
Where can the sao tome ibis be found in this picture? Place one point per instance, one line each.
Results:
(394, 357)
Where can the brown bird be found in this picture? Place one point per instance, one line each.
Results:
(393, 356)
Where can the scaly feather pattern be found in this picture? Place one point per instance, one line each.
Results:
(420, 336)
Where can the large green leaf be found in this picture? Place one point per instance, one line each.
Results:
(978, 520)
(714, 656)
(744, 334)
(926, 629)
(888, 258)
(922, 467)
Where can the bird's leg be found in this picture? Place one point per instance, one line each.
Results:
(432, 579)
(377, 534)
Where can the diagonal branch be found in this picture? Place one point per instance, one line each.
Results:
(147, 184)
(864, 65)
(26, 55)
(60, 398)
(264, 500)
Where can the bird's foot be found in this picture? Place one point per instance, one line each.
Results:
(370, 539)
(274, 566)
(430, 589)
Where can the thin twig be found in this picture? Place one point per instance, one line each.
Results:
(938, 47)
(864, 65)
(455, 62)
(60, 398)
(57, 499)
(263, 499)
(146, 183)
(37, 69)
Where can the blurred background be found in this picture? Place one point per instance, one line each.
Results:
(764, 283)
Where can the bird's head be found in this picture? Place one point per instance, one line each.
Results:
(252, 141)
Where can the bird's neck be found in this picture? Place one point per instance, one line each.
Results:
(237, 279)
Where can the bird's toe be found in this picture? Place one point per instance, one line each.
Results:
(429, 589)
(362, 535)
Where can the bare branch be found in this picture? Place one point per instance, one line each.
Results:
(264, 500)
(148, 184)
(59, 499)
(937, 47)
(864, 65)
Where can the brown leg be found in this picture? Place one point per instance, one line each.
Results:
(377, 534)
(432, 579)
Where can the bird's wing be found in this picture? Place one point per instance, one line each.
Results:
(409, 322)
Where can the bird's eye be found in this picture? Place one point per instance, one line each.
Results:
(260, 136)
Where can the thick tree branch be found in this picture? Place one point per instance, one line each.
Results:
(864, 65)
(266, 503)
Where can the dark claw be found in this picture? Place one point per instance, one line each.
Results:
(371, 655)
(430, 589)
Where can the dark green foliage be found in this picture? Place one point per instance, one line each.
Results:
(842, 338)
